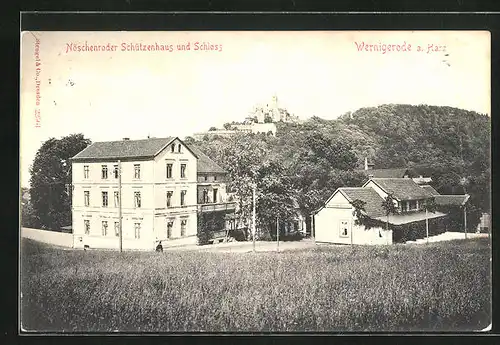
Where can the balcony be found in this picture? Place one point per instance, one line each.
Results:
(224, 206)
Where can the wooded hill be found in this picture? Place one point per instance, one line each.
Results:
(306, 162)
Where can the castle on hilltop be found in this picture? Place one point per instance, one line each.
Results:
(270, 113)
(262, 119)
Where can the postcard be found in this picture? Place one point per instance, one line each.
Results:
(255, 181)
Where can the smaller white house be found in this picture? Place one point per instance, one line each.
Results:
(335, 221)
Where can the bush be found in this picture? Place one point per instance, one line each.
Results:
(293, 236)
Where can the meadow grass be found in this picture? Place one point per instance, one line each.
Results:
(436, 287)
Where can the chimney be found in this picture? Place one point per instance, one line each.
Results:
(126, 138)
(368, 166)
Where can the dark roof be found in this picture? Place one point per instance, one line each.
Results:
(143, 148)
(373, 206)
(430, 189)
(205, 163)
(393, 173)
(451, 199)
(402, 188)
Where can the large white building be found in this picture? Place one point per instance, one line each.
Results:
(165, 185)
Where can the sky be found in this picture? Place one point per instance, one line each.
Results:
(108, 95)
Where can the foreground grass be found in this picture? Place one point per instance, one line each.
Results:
(442, 286)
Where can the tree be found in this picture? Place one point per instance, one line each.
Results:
(228, 126)
(241, 156)
(359, 212)
(189, 140)
(317, 166)
(361, 218)
(50, 181)
(268, 118)
(28, 217)
(275, 196)
(211, 129)
(389, 208)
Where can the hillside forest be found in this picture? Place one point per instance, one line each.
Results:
(300, 167)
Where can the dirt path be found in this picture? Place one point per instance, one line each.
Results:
(244, 247)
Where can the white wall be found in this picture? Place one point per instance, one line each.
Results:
(176, 184)
(127, 167)
(50, 237)
(96, 239)
(161, 220)
(328, 225)
(377, 189)
(264, 128)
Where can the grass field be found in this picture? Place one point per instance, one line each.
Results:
(442, 287)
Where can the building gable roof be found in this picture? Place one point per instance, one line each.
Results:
(401, 188)
(430, 189)
(205, 163)
(373, 201)
(144, 148)
(386, 173)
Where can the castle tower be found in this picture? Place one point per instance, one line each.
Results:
(274, 102)
(274, 112)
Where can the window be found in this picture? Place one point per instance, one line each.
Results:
(85, 171)
(104, 173)
(404, 206)
(169, 170)
(104, 199)
(215, 195)
(215, 177)
(137, 171)
(117, 199)
(179, 148)
(137, 230)
(169, 199)
(412, 205)
(183, 227)
(86, 226)
(173, 147)
(115, 171)
(205, 196)
(183, 170)
(344, 228)
(117, 229)
(206, 177)
(137, 199)
(170, 225)
(104, 227)
(183, 197)
(86, 198)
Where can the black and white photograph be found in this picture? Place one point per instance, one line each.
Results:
(255, 181)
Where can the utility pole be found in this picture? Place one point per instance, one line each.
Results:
(426, 225)
(278, 232)
(253, 216)
(312, 228)
(120, 204)
(465, 221)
